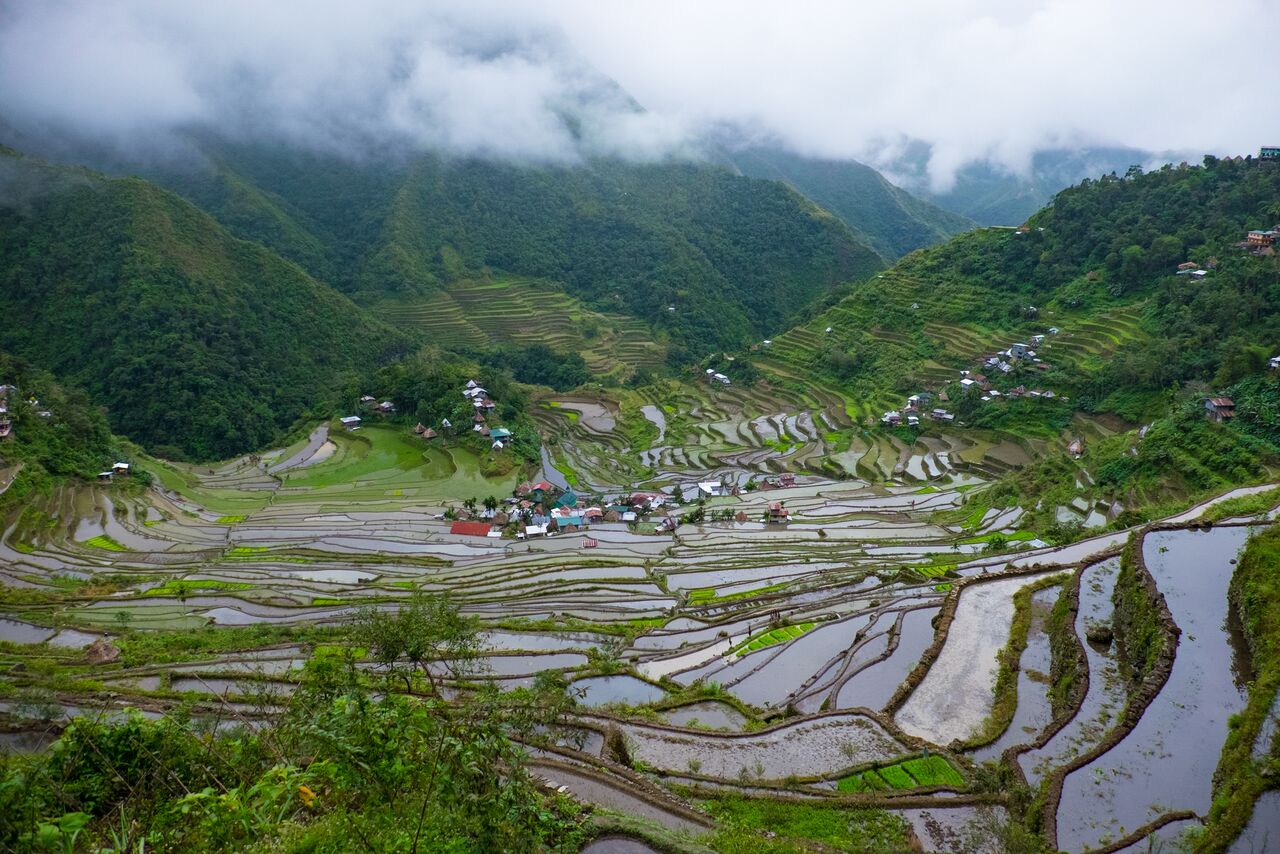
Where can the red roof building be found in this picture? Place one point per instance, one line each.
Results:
(470, 529)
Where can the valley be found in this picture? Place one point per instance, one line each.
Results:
(851, 659)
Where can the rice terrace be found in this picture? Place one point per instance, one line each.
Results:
(735, 611)
(639, 428)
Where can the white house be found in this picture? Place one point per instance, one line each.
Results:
(710, 488)
(351, 422)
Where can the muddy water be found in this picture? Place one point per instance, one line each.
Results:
(1160, 767)
(871, 688)
(798, 662)
(813, 747)
(1033, 712)
(614, 796)
(957, 830)
(16, 631)
(658, 418)
(709, 714)
(618, 845)
(1105, 698)
(955, 696)
(603, 690)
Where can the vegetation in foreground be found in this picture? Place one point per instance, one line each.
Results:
(346, 767)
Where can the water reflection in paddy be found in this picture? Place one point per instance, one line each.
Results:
(1157, 768)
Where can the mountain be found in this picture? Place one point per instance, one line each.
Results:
(48, 431)
(709, 257)
(887, 218)
(992, 194)
(1122, 335)
(198, 343)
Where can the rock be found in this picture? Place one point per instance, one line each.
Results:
(1099, 633)
(102, 651)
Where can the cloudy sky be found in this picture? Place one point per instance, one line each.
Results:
(977, 79)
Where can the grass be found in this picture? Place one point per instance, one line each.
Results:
(178, 587)
(231, 520)
(325, 600)
(707, 595)
(930, 770)
(771, 637)
(243, 551)
(760, 826)
(1245, 505)
(933, 771)
(102, 541)
(997, 536)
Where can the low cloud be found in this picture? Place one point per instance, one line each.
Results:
(973, 79)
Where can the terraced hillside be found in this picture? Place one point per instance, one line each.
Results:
(849, 659)
(480, 314)
(901, 333)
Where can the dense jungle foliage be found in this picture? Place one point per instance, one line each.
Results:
(72, 440)
(351, 765)
(737, 257)
(889, 220)
(200, 345)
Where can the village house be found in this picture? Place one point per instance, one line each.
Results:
(470, 529)
(386, 407)
(778, 513)
(893, 418)
(1188, 266)
(500, 434)
(6, 428)
(786, 480)
(710, 488)
(1076, 448)
(477, 422)
(1259, 238)
(367, 400)
(1018, 350)
(351, 422)
(105, 476)
(120, 469)
(1220, 408)
(1274, 362)
(1037, 339)
(1269, 152)
(429, 433)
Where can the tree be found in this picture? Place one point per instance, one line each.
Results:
(426, 632)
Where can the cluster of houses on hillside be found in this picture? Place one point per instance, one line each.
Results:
(1192, 269)
(6, 416)
(116, 470)
(6, 421)
(1004, 362)
(540, 509)
(716, 377)
(482, 406)
(1261, 242)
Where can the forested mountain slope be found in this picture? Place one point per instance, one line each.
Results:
(198, 344)
(47, 431)
(1133, 338)
(889, 219)
(735, 257)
